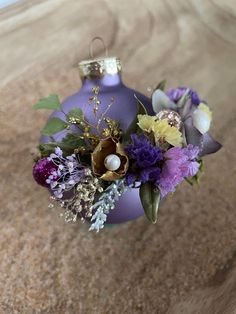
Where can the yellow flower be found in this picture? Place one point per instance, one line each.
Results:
(160, 129)
(146, 122)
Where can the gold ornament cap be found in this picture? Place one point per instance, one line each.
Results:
(97, 68)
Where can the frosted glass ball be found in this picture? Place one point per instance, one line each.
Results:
(124, 110)
(112, 162)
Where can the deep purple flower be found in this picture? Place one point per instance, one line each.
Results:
(143, 152)
(150, 174)
(176, 93)
(42, 170)
(130, 178)
(179, 163)
(145, 156)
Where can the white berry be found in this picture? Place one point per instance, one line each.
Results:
(112, 162)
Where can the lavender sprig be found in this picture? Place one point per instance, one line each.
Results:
(106, 203)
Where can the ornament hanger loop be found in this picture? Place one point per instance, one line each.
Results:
(91, 46)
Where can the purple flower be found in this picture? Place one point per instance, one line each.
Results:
(150, 174)
(176, 93)
(146, 157)
(58, 173)
(130, 178)
(179, 163)
(42, 170)
(143, 152)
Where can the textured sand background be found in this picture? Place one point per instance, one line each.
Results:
(183, 264)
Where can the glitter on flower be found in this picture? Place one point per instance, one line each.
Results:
(176, 93)
(106, 202)
(68, 173)
(179, 163)
(161, 130)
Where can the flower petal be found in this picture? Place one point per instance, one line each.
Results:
(193, 136)
(209, 145)
(161, 101)
(146, 122)
(201, 120)
(104, 148)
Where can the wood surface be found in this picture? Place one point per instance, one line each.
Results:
(186, 262)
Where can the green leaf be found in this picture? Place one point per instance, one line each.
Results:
(47, 149)
(161, 85)
(68, 145)
(53, 126)
(141, 108)
(191, 180)
(182, 101)
(150, 199)
(201, 167)
(52, 102)
(76, 113)
(71, 142)
(133, 127)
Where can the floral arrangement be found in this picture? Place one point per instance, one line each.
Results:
(94, 165)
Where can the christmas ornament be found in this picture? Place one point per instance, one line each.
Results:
(108, 154)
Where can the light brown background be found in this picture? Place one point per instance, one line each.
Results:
(184, 263)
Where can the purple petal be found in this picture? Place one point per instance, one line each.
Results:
(189, 168)
(150, 174)
(209, 145)
(130, 178)
(193, 136)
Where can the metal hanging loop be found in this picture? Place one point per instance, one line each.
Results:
(91, 46)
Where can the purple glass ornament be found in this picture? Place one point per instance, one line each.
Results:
(123, 110)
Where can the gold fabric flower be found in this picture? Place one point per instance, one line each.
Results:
(105, 148)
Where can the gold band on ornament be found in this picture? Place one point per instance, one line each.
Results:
(97, 68)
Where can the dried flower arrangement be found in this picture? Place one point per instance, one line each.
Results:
(91, 168)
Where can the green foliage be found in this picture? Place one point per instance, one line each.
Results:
(150, 199)
(182, 101)
(47, 149)
(133, 128)
(67, 145)
(52, 102)
(76, 113)
(161, 85)
(53, 126)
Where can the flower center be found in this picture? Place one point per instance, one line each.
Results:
(112, 162)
